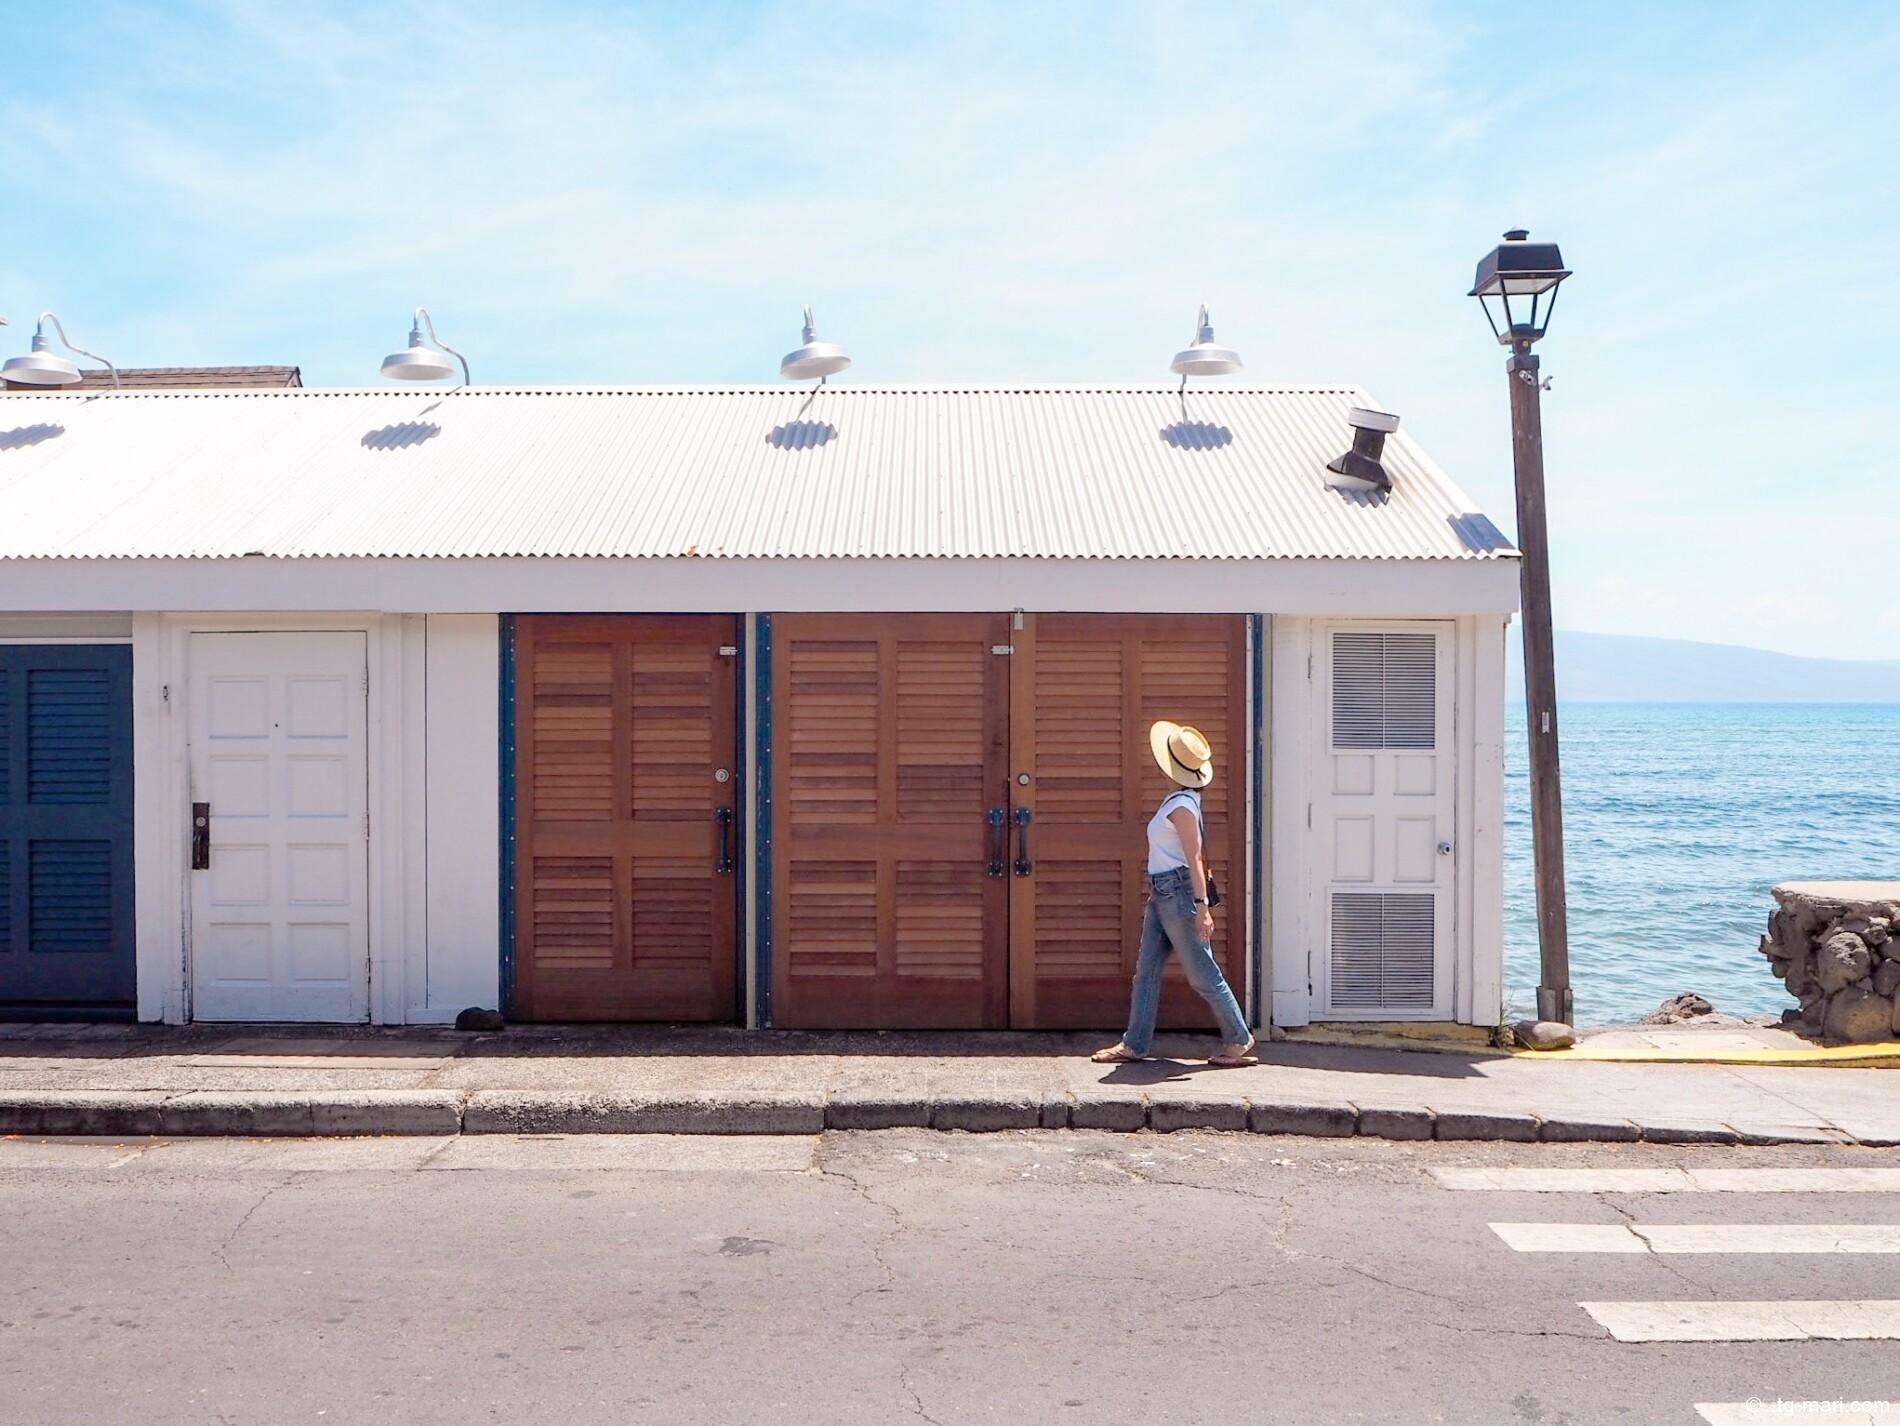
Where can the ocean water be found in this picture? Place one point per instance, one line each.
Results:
(1678, 817)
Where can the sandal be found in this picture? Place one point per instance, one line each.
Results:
(1117, 1054)
(1235, 1056)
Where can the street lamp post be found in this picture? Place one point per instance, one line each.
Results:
(1517, 287)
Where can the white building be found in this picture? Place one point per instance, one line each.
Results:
(792, 707)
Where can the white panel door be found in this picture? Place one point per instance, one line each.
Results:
(280, 917)
(1383, 821)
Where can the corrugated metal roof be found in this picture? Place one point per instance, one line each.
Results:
(167, 378)
(1052, 472)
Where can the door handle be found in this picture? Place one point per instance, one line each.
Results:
(999, 840)
(1024, 865)
(723, 865)
(200, 836)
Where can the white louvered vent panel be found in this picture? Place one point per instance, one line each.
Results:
(1382, 952)
(1385, 690)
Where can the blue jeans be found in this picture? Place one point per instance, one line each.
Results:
(1169, 927)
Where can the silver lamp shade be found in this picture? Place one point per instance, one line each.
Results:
(40, 367)
(1203, 356)
(815, 360)
(418, 363)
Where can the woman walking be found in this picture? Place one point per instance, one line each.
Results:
(1179, 919)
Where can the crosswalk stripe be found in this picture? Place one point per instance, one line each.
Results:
(1700, 1237)
(1781, 1413)
(1747, 1321)
(1681, 1180)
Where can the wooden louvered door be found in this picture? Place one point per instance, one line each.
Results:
(625, 807)
(1084, 690)
(888, 739)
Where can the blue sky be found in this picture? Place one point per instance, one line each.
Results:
(628, 193)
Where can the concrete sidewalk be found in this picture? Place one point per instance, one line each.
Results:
(138, 1080)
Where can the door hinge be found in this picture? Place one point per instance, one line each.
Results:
(1309, 816)
(366, 682)
(366, 826)
(1309, 665)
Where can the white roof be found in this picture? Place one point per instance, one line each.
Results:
(763, 472)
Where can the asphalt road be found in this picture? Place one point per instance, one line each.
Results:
(881, 1278)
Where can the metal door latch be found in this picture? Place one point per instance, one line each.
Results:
(1444, 849)
(200, 836)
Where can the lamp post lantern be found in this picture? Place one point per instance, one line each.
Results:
(1517, 286)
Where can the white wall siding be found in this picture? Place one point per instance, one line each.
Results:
(1289, 863)
(463, 955)
(1481, 998)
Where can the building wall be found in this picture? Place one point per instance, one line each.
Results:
(434, 776)
(462, 946)
(432, 807)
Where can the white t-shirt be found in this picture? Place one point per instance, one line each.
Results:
(1165, 852)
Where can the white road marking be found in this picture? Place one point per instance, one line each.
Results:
(1748, 1321)
(1685, 1180)
(1783, 1412)
(1570, 1237)
(1700, 1237)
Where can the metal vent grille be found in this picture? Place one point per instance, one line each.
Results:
(1382, 952)
(1385, 690)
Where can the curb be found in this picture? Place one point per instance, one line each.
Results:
(214, 1113)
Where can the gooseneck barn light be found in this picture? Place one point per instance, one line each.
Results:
(1203, 356)
(813, 358)
(43, 367)
(1517, 284)
(420, 362)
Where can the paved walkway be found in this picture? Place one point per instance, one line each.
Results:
(126, 1080)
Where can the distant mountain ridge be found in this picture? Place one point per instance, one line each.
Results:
(1627, 668)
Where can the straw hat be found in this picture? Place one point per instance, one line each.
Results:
(1183, 752)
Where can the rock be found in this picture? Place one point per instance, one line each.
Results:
(1844, 959)
(1858, 1017)
(1686, 1006)
(1879, 931)
(476, 1018)
(1780, 968)
(1887, 979)
(1544, 1034)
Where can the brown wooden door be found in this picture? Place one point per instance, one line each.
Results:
(625, 902)
(1084, 690)
(888, 747)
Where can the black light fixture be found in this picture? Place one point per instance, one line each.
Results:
(1517, 287)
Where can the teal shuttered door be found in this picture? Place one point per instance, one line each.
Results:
(65, 829)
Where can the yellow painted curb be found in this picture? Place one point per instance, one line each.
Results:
(1431, 1038)
(1885, 1055)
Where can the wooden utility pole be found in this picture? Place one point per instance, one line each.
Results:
(1540, 687)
